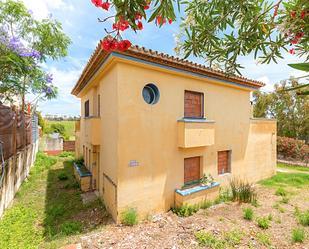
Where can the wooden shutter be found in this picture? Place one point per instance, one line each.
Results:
(223, 162)
(192, 169)
(194, 103)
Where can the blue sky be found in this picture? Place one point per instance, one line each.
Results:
(79, 20)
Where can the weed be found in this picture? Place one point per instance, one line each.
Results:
(264, 239)
(285, 200)
(208, 239)
(255, 203)
(185, 210)
(281, 192)
(263, 222)
(303, 218)
(71, 227)
(205, 204)
(129, 217)
(248, 213)
(242, 191)
(270, 217)
(233, 238)
(62, 176)
(298, 235)
(279, 208)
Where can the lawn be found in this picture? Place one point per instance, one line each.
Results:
(292, 167)
(48, 211)
(68, 125)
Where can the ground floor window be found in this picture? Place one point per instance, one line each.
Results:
(192, 170)
(224, 162)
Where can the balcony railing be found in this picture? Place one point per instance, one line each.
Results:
(195, 133)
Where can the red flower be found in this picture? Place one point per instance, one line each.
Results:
(97, 3)
(295, 40)
(138, 16)
(293, 14)
(105, 5)
(159, 20)
(302, 14)
(106, 44)
(140, 25)
(292, 51)
(170, 21)
(300, 35)
(121, 25)
(146, 7)
(276, 11)
(124, 45)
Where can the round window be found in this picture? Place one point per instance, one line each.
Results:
(151, 94)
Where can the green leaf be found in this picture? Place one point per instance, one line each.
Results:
(300, 66)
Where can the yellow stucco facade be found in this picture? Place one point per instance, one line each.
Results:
(136, 150)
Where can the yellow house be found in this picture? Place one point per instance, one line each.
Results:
(152, 124)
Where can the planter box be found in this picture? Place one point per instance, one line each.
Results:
(196, 194)
(83, 176)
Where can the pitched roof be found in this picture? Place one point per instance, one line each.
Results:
(148, 55)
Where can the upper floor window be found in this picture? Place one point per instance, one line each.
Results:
(224, 162)
(194, 104)
(87, 108)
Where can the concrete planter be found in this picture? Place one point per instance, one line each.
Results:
(196, 194)
(83, 176)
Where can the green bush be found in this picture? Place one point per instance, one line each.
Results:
(281, 192)
(71, 227)
(205, 204)
(263, 222)
(248, 213)
(186, 210)
(67, 154)
(129, 217)
(208, 239)
(62, 176)
(242, 191)
(303, 218)
(298, 235)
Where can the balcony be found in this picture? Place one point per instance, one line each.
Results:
(195, 133)
(92, 130)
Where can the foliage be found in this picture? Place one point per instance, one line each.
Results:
(62, 176)
(221, 31)
(281, 192)
(206, 204)
(41, 215)
(248, 213)
(207, 179)
(298, 235)
(281, 179)
(263, 222)
(185, 210)
(264, 239)
(242, 191)
(24, 44)
(68, 125)
(67, 154)
(291, 148)
(71, 227)
(290, 110)
(303, 218)
(129, 217)
(41, 121)
(208, 239)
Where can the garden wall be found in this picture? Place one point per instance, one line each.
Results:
(16, 169)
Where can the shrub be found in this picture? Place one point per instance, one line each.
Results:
(67, 154)
(264, 239)
(298, 235)
(185, 210)
(291, 148)
(248, 213)
(129, 217)
(242, 191)
(263, 222)
(62, 176)
(281, 192)
(303, 218)
(71, 227)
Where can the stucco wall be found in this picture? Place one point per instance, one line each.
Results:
(148, 134)
(141, 163)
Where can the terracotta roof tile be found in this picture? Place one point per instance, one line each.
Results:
(99, 56)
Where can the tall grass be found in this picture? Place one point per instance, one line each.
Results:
(243, 191)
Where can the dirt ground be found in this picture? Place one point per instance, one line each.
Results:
(170, 231)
